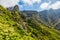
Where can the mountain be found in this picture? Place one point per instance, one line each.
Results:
(48, 17)
(29, 13)
(51, 17)
(16, 26)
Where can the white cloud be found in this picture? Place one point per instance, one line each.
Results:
(44, 5)
(55, 5)
(8, 3)
(31, 2)
(36, 1)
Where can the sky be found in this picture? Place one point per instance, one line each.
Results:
(37, 5)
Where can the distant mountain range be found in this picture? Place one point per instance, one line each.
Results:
(50, 17)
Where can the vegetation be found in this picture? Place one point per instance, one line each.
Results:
(13, 27)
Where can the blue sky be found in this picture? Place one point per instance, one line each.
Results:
(37, 5)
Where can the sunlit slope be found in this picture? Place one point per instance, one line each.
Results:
(9, 29)
(14, 26)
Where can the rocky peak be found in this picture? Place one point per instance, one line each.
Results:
(15, 8)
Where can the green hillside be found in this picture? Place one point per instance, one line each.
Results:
(15, 26)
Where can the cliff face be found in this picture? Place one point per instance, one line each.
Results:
(15, 26)
(16, 8)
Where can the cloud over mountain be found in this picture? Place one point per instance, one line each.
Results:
(44, 5)
(8, 3)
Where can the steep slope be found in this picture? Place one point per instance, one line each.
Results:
(10, 29)
(15, 26)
